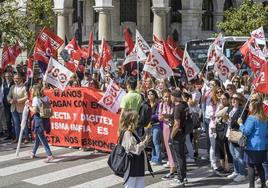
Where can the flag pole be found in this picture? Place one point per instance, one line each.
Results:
(176, 85)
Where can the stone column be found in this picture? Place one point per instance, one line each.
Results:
(60, 27)
(217, 17)
(159, 23)
(191, 24)
(104, 22)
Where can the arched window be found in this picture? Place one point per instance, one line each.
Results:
(228, 4)
(128, 11)
(207, 17)
(75, 8)
(174, 11)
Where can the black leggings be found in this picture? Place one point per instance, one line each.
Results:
(251, 174)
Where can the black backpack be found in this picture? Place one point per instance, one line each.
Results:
(119, 160)
(145, 116)
(188, 123)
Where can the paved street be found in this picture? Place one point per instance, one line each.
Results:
(79, 169)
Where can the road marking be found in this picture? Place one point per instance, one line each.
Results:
(22, 154)
(194, 176)
(37, 164)
(68, 172)
(231, 185)
(110, 180)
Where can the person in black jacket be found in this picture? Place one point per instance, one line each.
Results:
(235, 111)
(8, 82)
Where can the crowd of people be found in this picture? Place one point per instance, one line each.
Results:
(215, 109)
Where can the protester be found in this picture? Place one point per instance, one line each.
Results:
(156, 128)
(165, 115)
(235, 111)
(3, 125)
(7, 83)
(255, 129)
(132, 100)
(39, 122)
(177, 138)
(132, 144)
(16, 97)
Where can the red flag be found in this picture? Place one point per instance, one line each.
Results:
(129, 44)
(90, 45)
(72, 46)
(245, 49)
(171, 42)
(43, 51)
(106, 55)
(55, 40)
(261, 81)
(255, 61)
(172, 61)
(9, 55)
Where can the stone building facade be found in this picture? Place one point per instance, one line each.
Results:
(182, 19)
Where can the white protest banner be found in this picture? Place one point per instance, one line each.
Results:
(112, 98)
(57, 75)
(259, 36)
(157, 66)
(191, 69)
(141, 46)
(223, 66)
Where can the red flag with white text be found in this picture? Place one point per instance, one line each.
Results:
(172, 61)
(261, 81)
(129, 44)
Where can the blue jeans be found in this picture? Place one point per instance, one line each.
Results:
(40, 136)
(17, 116)
(237, 153)
(265, 167)
(156, 150)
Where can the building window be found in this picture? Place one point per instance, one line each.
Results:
(207, 17)
(151, 13)
(75, 7)
(228, 4)
(174, 11)
(128, 11)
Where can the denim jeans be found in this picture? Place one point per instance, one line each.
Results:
(156, 150)
(239, 165)
(189, 146)
(17, 116)
(40, 136)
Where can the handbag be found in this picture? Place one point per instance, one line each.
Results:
(237, 137)
(119, 159)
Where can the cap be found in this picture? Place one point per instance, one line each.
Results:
(176, 93)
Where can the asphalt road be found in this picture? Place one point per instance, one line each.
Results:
(79, 169)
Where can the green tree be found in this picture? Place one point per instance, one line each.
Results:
(244, 19)
(15, 23)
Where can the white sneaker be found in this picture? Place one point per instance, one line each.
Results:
(177, 183)
(232, 176)
(166, 165)
(239, 178)
(190, 160)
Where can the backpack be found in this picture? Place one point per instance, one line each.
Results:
(145, 116)
(119, 160)
(45, 109)
(188, 123)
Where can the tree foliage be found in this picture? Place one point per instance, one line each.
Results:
(16, 23)
(244, 19)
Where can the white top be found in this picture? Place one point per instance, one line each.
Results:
(37, 101)
(196, 96)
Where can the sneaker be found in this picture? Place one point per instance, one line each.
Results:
(8, 138)
(32, 155)
(168, 176)
(266, 183)
(166, 165)
(239, 178)
(49, 159)
(232, 176)
(155, 164)
(26, 141)
(190, 160)
(14, 141)
(258, 181)
(177, 183)
(185, 180)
